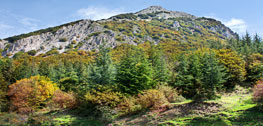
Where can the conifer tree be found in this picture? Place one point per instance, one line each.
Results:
(247, 39)
(257, 44)
(103, 70)
(184, 78)
(70, 81)
(159, 65)
(134, 73)
(213, 76)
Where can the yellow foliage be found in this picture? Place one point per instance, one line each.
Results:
(233, 62)
(29, 94)
(152, 98)
(105, 98)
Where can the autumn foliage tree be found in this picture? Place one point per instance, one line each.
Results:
(30, 94)
(234, 64)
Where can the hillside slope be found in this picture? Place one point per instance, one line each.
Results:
(154, 24)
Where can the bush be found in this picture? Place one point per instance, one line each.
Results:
(103, 98)
(143, 16)
(258, 92)
(153, 99)
(255, 71)
(63, 100)
(126, 16)
(129, 106)
(255, 68)
(170, 94)
(3, 94)
(74, 42)
(52, 52)
(63, 39)
(28, 95)
(32, 52)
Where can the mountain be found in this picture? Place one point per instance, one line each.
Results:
(154, 24)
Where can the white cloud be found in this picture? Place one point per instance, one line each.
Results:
(96, 13)
(237, 25)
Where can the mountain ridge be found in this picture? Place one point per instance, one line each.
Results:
(151, 24)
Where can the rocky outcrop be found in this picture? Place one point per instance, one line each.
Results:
(163, 13)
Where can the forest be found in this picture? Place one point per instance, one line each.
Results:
(101, 87)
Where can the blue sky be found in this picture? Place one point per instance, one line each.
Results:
(22, 16)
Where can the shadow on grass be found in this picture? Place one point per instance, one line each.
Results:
(65, 118)
(249, 117)
(196, 108)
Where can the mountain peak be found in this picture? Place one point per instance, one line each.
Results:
(152, 9)
(161, 12)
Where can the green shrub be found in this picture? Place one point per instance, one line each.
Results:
(60, 47)
(69, 46)
(51, 52)
(32, 52)
(143, 16)
(119, 38)
(63, 39)
(93, 34)
(79, 45)
(126, 16)
(74, 42)
(3, 94)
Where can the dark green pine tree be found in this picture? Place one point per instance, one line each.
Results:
(195, 71)
(257, 44)
(159, 64)
(213, 77)
(183, 80)
(134, 73)
(246, 51)
(247, 39)
(103, 70)
(24, 70)
(70, 82)
(82, 72)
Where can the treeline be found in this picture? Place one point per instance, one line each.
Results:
(128, 78)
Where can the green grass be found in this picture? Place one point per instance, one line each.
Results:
(237, 109)
(76, 121)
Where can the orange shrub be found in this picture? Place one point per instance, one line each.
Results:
(63, 100)
(27, 95)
